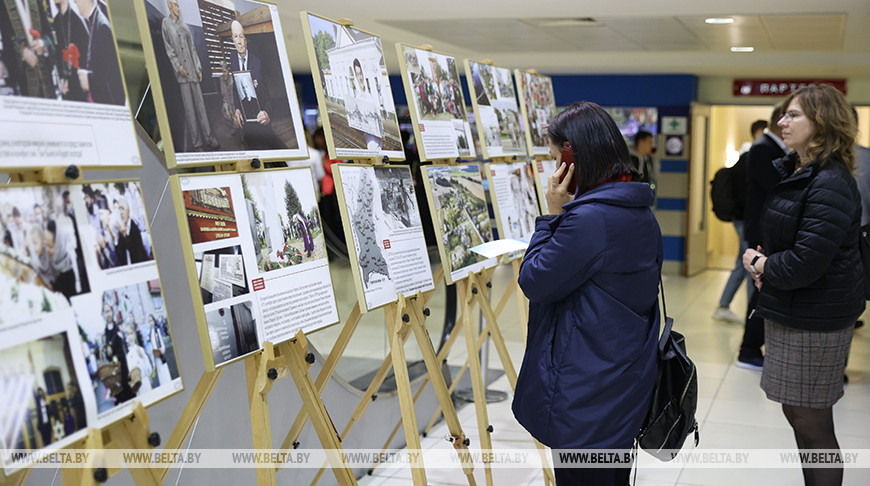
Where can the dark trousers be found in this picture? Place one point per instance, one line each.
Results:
(753, 332)
(618, 476)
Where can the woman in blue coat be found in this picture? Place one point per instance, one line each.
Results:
(591, 273)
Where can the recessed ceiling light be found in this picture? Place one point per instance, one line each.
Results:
(720, 20)
(742, 49)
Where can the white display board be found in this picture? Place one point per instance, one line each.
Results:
(256, 259)
(499, 122)
(386, 243)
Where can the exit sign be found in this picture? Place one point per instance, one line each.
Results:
(780, 87)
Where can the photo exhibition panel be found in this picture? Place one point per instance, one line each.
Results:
(499, 123)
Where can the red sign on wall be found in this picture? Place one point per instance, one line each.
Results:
(780, 87)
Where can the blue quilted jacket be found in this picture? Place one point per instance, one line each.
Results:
(591, 275)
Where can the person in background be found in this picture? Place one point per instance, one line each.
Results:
(25, 60)
(761, 177)
(328, 199)
(641, 157)
(71, 36)
(591, 273)
(738, 273)
(808, 270)
(862, 172)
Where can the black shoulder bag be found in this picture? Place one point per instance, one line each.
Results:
(671, 415)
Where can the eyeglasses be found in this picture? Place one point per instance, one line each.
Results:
(791, 115)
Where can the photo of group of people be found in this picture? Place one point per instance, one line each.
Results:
(353, 83)
(283, 219)
(117, 224)
(389, 256)
(61, 50)
(497, 112)
(42, 403)
(42, 243)
(458, 203)
(432, 82)
(538, 104)
(224, 79)
(126, 343)
(515, 199)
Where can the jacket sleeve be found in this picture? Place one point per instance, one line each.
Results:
(822, 229)
(562, 255)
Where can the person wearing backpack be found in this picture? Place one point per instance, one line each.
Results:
(738, 193)
(809, 273)
(591, 273)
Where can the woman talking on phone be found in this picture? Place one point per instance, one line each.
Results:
(591, 274)
(809, 269)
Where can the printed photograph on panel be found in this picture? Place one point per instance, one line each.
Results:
(61, 50)
(460, 213)
(232, 330)
(221, 274)
(518, 206)
(126, 343)
(356, 86)
(225, 79)
(210, 214)
(41, 249)
(118, 224)
(434, 86)
(283, 217)
(540, 103)
(499, 113)
(42, 401)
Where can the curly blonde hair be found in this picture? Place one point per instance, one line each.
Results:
(831, 115)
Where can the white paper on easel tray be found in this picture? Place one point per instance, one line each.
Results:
(496, 248)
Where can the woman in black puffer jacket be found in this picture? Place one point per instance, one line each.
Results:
(809, 270)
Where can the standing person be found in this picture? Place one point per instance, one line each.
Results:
(129, 247)
(374, 141)
(188, 73)
(641, 157)
(158, 351)
(809, 271)
(761, 179)
(71, 36)
(862, 171)
(116, 350)
(591, 274)
(258, 134)
(738, 273)
(100, 77)
(43, 420)
(25, 34)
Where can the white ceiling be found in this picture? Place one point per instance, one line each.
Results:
(794, 38)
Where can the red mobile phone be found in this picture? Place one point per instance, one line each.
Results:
(568, 159)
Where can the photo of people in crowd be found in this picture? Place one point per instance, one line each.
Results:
(349, 66)
(126, 343)
(224, 78)
(221, 274)
(284, 219)
(118, 224)
(232, 331)
(539, 107)
(62, 50)
(498, 113)
(41, 240)
(42, 401)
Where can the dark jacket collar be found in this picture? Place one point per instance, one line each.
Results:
(627, 194)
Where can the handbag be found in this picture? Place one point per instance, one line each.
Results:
(670, 418)
(864, 249)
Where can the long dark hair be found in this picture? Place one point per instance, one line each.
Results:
(600, 152)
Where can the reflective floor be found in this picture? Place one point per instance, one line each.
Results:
(732, 411)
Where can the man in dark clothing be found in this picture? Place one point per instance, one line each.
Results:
(641, 157)
(25, 34)
(762, 177)
(100, 74)
(69, 31)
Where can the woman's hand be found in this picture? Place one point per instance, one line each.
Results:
(757, 270)
(557, 192)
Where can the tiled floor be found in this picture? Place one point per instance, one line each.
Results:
(732, 410)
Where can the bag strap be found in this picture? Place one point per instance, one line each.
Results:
(668, 322)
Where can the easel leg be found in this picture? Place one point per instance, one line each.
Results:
(329, 440)
(403, 387)
(17, 479)
(85, 475)
(325, 374)
(191, 412)
(132, 433)
(260, 425)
